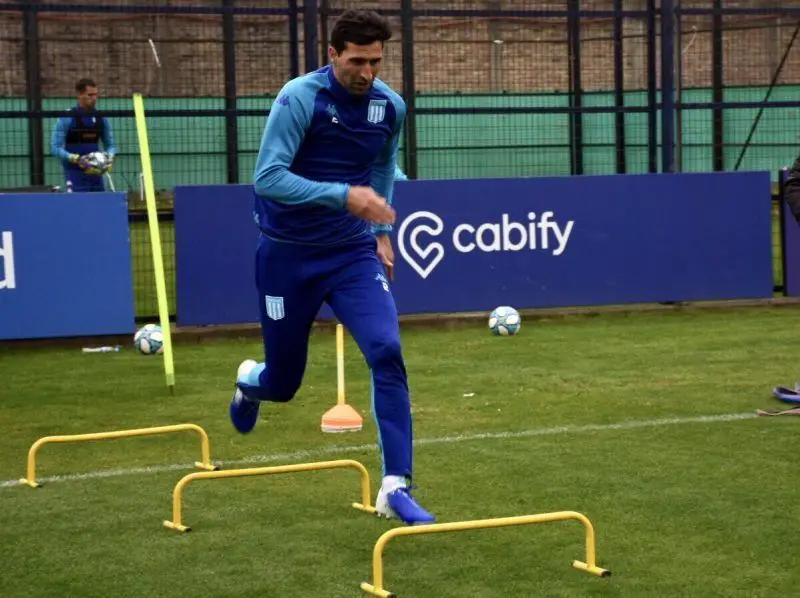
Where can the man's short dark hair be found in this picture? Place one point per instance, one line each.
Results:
(360, 27)
(81, 85)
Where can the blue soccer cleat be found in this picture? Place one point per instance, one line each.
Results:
(787, 395)
(401, 504)
(244, 411)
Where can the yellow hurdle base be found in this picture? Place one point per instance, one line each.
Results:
(377, 587)
(205, 449)
(177, 494)
(593, 569)
(371, 589)
(177, 526)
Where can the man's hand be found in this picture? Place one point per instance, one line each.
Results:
(386, 254)
(368, 205)
(83, 164)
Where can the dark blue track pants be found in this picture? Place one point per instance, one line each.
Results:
(82, 182)
(293, 282)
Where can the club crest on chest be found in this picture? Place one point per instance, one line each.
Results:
(376, 111)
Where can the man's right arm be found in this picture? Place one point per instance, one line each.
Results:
(288, 120)
(59, 138)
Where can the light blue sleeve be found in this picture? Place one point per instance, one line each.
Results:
(108, 138)
(286, 126)
(385, 167)
(399, 175)
(59, 138)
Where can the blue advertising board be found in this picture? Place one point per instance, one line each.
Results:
(470, 245)
(215, 244)
(65, 265)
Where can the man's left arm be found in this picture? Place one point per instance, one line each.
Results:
(108, 138)
(383, 171)
(383, 175)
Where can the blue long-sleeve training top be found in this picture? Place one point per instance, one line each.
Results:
(318, 141)
(80, 132)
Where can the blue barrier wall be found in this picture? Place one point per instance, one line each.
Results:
(791, 246)
(65, 265)
(215, 243)
(791, 252)
(541, 242)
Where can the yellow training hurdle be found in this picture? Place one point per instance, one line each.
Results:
(377, 588)
(205, 463)
(177, 493)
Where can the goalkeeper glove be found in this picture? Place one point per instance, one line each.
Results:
(85, 165)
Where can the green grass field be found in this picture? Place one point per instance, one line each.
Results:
(602, 415)
(144, 282)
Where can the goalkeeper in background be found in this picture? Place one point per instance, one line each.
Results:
(78, 134)
(323, 186)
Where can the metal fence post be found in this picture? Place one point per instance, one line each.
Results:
(619, 88)
(294, 40)
(324, 12)
(652, 98)
(576, 91)
(229, 65)
(311, 42)
(717, 84)
(33, 93)
(667, 86)
(678, 88)
(409, 87)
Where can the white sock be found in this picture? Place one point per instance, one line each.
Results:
(393, 482)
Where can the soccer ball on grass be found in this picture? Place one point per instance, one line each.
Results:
(504, 321)
(149, 340)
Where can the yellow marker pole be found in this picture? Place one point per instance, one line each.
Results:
(205, 450)
(341, 417)
(155, 238)
(377, 588)
(177, 493)
(339, 364)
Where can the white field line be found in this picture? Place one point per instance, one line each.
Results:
(335, 450)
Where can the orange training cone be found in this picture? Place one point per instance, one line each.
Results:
(342, 417)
